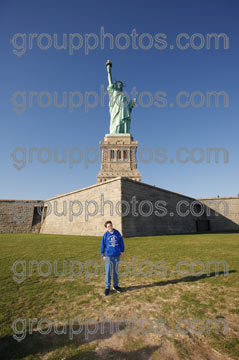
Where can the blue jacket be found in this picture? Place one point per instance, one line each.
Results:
(112, 244)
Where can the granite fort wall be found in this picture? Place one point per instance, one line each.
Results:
(148, 221)
(182, 214)
(84, 212)
(228, 207)
(20, 216)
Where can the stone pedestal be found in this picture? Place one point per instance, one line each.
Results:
(118, 158)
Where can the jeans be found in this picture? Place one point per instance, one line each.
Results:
(111, 263)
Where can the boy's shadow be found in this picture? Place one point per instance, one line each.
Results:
(175, 281)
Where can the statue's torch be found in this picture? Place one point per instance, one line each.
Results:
(108, 63)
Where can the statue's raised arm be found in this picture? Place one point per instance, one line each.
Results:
(108, 67)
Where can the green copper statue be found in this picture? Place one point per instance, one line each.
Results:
(120, 107)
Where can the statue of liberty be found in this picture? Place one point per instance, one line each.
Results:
(120, 108)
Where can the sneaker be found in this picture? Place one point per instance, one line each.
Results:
(117, 288)
(107, 292)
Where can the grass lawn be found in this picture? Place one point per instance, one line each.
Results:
(161, 314)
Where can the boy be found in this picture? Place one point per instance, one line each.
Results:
(112, 247)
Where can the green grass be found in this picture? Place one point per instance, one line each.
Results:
(168, 296)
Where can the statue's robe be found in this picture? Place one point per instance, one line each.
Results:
(120, 109)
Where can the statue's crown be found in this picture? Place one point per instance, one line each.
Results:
(119, 81)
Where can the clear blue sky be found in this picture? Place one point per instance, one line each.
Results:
(169, 70)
